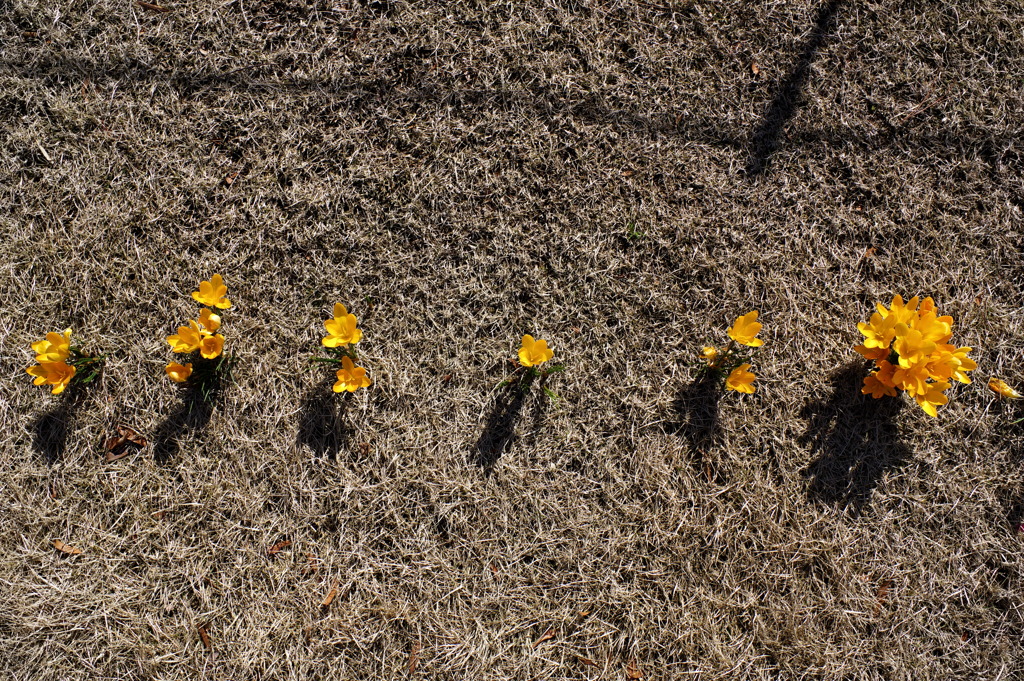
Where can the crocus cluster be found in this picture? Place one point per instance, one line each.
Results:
(909, 343)
(728, 359)
(52, 354)
(60, 364)
(200, 340)
(342, 336)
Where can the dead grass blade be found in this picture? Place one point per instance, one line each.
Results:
(414, 657)
(547, 636)
(278, 547)
(331, 595)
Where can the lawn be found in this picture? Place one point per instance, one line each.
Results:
(621, 179)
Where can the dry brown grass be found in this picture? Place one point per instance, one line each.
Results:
(613, 177)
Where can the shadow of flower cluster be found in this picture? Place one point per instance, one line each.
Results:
(855, 439)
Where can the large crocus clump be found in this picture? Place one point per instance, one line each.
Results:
(909, 344)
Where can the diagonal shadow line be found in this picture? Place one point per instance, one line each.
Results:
(766, 138)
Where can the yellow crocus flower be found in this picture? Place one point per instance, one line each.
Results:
(932, 397)
(534, 352)
(342, 329)
(56, 347)
(208, 320)
(876, 388)
(934, 328)
(178, 373)
(942, 363)
(1001, 388)
(709, 353)
(213, 293)
(210, 347)
(899, 312)
(886, 373)
(745, 330)
(913, 380)
(57, 374)
(187, 339)
(878, 332)
(741, 380)
(966, 364)
(911, 345)
(350, 377)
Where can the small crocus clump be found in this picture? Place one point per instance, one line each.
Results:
(342, 336)
(201, 343)
(533, 352)
(60, 364)
(729, 362)
(909, 343)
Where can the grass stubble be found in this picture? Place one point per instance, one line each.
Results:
(613, 177)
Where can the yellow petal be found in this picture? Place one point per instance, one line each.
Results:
(178, 373)
(1002, 388)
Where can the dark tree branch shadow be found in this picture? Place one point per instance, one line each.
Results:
(696, 406)
(192, 414)
(500, 429)
(322, 421)
(765, 139)
(50, 429)
(855, 439)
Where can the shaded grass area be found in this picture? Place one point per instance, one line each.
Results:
(617, 178)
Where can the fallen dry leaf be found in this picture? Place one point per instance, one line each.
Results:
(588, 662)
(364, 448)
(153, 8)
(548, 635)
(331, 595)
(278, 547)
(881, 594)
(414, 657)
(314, 564)
(124, 443)
(632, 672)
(755, 68)
(870, 252)
(207, 643)
(65, 548)
(158, 515)
(230, 179)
